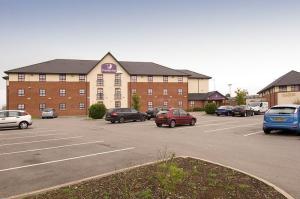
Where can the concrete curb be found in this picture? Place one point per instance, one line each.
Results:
(284, 193)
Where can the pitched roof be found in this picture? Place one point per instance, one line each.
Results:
(194, 75)
(213, 95)
(290, 78)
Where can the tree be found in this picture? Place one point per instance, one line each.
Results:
(136, 102)
(97, 111)
(210, 108)
(241, 96)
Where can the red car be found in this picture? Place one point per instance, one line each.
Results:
(173, 117)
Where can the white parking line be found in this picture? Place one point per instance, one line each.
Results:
(233, 127)
(55, 147)
(24, 132)
(253, 133)
(67, 159)
(29, 136)
(41, 141)
(213, 124)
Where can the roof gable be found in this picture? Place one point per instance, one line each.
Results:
(211, 96)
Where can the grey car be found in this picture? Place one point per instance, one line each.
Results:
(49, 113)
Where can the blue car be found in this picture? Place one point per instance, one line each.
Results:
(224, 110)
(282, 117)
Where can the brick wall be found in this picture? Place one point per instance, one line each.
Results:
(271, 99)
(157, 96)
(32, 100)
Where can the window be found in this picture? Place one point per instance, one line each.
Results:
(100, 81)
(133, 91)
(165, 92)
(176, 112)
(150, 105)
(180, 91)
(134, 78)
(62, 107)
(42, 107)
(117, 93)
(150, 91)
(62, 92)
(100, 94)
(21, 92)
(117, 104)
(117, 79)
(13, 113)
(295, 88)
(62, 77)
(81, 77)
(165, 78)
(81, 92)
(3, 114)
(282, 88)
(81, 106)
(179, 104)
(182, 112)
(21, 106)
(165, 104)
(21, 77)
(150, 78)
(192, 103)
(42, 77)
(180, 79)
(42, 92)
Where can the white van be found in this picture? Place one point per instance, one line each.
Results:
(259, 107)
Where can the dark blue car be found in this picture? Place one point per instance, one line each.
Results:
(224, 110)
(282, 117)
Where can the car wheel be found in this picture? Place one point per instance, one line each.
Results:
(172, 124)
(121, 120)
(193, 122)
(23, 125)
(43, 117)
(112, 122)
(218, 115)
(267, 131)
(158, 125)
(142, 119)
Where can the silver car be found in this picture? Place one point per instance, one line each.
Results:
(15, 118)
(49, 113)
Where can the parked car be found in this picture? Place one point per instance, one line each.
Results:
(259, 107)
(152, 112)
(224, 110)
(173, 117)
(124, 114)
(15, 118)
(243, 111)
(282, 117)
(49, 113)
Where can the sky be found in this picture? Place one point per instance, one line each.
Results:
(244, 43)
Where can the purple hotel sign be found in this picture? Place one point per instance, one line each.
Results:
(108, 68)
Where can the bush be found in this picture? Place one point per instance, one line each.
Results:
(198, 109)
(136, 102)
(97, 111)
(210, 108)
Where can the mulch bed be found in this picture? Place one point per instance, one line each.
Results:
(183, 178)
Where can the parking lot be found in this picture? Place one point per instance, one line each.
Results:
(58, 151)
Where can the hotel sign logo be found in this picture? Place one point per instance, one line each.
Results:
(108, 68)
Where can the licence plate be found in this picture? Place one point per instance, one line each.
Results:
(279, 119)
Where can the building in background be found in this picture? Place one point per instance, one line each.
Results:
(284, 90)
(71, 86)
(198, 100)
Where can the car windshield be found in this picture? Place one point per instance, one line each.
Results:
(223, 107)
(253, 104)
(282, 110)
(162, 112)
(48, 110)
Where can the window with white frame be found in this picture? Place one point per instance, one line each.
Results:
(82, 77)
(100, 81)
(117, 79)
(62, 77)
(21, 77)
(21, 106)
(192, 103)
(180, 79)
(62, 92)
(165, 104)
(179, 91)
(117, 104)
(133, 78)
(42, 77)
(42, 92)
(81, 106)
(180, 104)
(165, 78)
(100, 94)
(150, 78)
(81, 92)
(21, 92)
(150, 91)
(62, 106)
(150, 105)
(117, 93)
(133, 91)
(165, 92)
(42, 107)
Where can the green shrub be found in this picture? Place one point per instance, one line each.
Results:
(210, 108)
(97, 111)
(198, 109)
(136, 102)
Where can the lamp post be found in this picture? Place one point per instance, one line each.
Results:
(229, 85)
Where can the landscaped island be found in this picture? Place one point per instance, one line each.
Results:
(172, 178)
